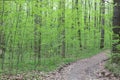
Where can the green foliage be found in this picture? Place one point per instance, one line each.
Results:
(116, 58)
(113, 67)
(36, 33)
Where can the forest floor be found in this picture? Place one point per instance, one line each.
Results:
(86, 69)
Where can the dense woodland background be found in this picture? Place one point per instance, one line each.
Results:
(43, 34)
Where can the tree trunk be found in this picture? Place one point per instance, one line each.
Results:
(78, 23)
(2, 41)
(102, 23)
(116, 28)
(61, 25)
(37, 33)
(2, 35)
(116, 33)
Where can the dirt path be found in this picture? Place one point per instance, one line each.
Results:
(86, 69)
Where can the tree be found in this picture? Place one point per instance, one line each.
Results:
(2, 43)
(78, 23)
(2, 34)
(116, 33)
(37, 32)
(116, 24)
(61, 25)
(103, 23)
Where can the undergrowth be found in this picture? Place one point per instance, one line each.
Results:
(113, 65)
(47, 64)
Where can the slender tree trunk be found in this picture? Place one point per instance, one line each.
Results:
(95, 23)
(37, 33)
(73, 7)
(18, 10)
(2, 35)
(78, 23)
(2, 42)
(61, 25)
(102, 23)
(39, 47)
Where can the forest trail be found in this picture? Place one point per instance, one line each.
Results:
(85, 69)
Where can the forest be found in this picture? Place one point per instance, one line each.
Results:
(42, 35)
